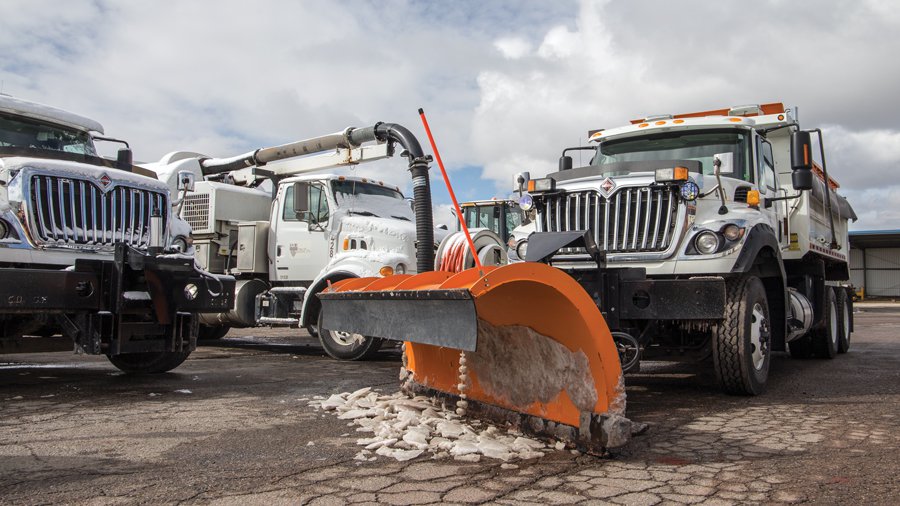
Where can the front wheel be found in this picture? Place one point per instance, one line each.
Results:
(149, 362)
(741, 343)
(347, 346)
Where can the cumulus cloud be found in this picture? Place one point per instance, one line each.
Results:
(615, 61)
(513, 48)
(507, 84)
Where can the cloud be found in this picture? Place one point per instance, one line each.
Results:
(615, 61)
(506, 84)
(513, 48)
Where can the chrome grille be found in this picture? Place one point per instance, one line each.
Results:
(196, 211)
(68, 212)
(639, 219)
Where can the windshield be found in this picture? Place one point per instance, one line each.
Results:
(730, 146)
(370, 199)
(21, 132)
(489, 216)
(351, 187)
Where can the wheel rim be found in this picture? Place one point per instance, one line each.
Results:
(759, 336)
(346, 338)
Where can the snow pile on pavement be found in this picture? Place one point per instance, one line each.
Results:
(404, 428)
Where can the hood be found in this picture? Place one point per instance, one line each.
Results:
(387, 227)
(81, 171)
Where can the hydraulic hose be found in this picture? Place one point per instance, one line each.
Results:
(418, 169)
(351, 138)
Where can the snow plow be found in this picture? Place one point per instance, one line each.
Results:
(521, 344)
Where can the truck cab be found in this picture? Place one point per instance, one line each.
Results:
(286, 244)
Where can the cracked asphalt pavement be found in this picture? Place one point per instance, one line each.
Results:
(229, 427)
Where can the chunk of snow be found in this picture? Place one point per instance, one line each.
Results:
(404, 428)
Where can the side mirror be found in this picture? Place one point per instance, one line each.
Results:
(521, 181)
(186, 180)
(801, 160)
(124, 159)
(565, 163)
(301, 197)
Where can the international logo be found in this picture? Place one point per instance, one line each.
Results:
(607, 186)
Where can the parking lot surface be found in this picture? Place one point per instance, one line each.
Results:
(233, 426)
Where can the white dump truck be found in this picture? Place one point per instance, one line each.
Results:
(710, 234)
(90, 250)
(286, 230)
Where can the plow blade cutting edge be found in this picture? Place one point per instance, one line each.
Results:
(539, 354)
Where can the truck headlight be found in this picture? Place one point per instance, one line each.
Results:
(191, 291)
(707, 242)
(401, 269)
(526, 202)
(522, 249)
(732, 232)
(180, 244)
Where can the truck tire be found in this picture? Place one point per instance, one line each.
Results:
(844, 319)
(825, 339)
(150, 362)
(345, 346)
(209, 333)
(741, 343)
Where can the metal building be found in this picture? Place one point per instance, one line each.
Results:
(875, 262)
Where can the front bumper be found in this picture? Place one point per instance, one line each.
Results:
(627, 294)
(134, 302)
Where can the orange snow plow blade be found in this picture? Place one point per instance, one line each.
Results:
(537, 352)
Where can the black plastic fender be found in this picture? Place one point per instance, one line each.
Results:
(762, 237)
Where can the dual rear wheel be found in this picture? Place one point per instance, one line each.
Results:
(833, 336)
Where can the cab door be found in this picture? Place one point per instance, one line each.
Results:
(301, 237)
(768, 188)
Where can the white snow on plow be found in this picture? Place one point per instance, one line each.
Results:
(404, 428)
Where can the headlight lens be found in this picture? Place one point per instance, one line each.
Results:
(180, 244)
(401, 269)
(707, 242)
(522, 249)
(526, 202)
(732, 232)
(191, 291)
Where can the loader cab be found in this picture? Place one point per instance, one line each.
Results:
(498, 216)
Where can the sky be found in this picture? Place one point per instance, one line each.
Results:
(506, 84)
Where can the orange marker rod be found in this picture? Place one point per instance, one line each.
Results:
(459, 215)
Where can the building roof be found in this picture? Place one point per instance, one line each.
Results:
(863, 239)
